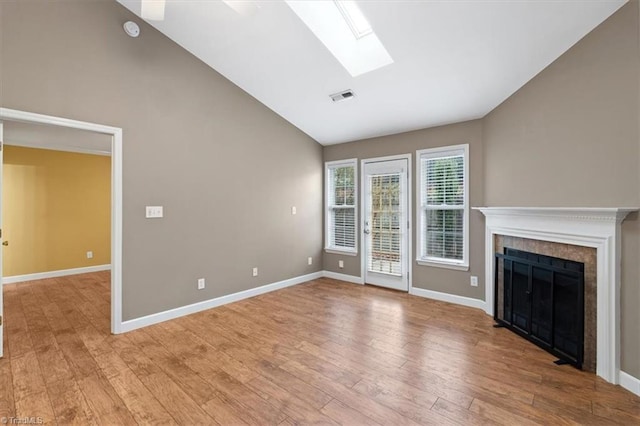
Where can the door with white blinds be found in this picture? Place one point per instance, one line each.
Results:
(386, 224)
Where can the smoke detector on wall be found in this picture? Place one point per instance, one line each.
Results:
(342, 96)
(131, 28)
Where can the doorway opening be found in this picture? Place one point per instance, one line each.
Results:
(62, 127)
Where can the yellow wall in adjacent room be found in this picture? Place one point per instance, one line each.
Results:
(56, 206)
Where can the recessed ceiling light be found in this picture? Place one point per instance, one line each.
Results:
(354, 17)
(360, 54)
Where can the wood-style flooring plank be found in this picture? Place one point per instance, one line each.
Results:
(104, 402)
(183, 409)
(27, 377)
(35, 405)
(7, 405)
(323, 352)
(69, 403)
(225, 411)
(458, 414)
(144, 407)
(345, 415)
(413, 404)
(255, 406)
(288, 403)
(498, 415)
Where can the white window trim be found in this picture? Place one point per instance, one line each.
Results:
(352, 162)
(462, 265)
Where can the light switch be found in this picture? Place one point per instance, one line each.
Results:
(154, 212)
(294, 210)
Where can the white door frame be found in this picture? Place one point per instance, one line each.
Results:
(363, 259)
(7, 114)
(1, 240)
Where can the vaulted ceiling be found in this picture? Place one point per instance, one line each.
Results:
(452, 60)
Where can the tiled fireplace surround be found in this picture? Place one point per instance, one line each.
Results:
(588, 235)
(582, 254)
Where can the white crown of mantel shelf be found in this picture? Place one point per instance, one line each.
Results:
(597, 227)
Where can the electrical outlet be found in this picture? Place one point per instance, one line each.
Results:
(341, 264)
(294, 210)
(310, 261)
(255, 272)
(474, 281)
(154, 212)
(89, 255)
(201, 283)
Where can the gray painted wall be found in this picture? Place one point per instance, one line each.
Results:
(226, 168)
(426, 277)
(570, 138)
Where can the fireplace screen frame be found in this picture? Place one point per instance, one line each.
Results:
(515, 256)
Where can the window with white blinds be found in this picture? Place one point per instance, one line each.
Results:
(341, 187)
(444, 208)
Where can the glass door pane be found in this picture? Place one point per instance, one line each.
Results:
(385, 233)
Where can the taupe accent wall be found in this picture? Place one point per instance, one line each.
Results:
(226, 168)
(425, 277)
(570, 137)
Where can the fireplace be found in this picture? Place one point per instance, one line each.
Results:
(593, 228)
(541, 298)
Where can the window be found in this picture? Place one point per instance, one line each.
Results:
(341, 196)
(443, 234)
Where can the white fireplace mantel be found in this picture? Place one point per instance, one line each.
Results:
(583, 226)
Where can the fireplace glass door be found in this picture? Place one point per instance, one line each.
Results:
(542, 299)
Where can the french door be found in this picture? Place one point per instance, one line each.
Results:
(385, 220)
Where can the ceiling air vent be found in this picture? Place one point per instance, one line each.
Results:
(342, 96)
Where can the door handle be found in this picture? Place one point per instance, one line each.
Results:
(366, 231)
(5, 243)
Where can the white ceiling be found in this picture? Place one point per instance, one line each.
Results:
(453, 60)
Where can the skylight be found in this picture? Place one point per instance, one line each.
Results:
(342, 27)
(354, 17)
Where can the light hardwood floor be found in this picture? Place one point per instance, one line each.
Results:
(321, 352)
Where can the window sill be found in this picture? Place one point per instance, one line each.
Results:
(445, 265)
(342, 252)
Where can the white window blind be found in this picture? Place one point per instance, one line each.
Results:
(444, 205)
(385, 237)
(341, 206)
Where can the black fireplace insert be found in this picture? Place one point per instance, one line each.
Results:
(541, 298)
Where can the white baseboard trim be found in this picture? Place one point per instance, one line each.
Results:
(343, 277)
(54, 274)
(446, 297)
(212, 303)
(630, 383)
